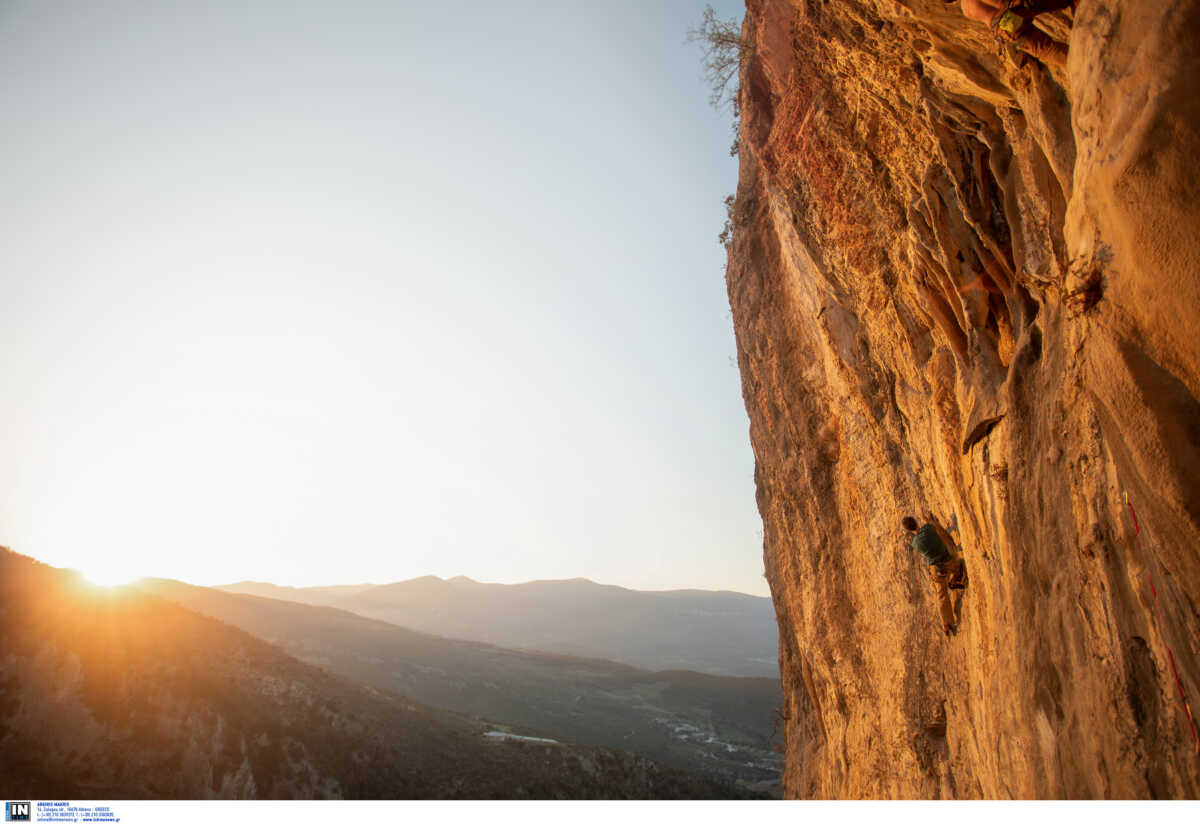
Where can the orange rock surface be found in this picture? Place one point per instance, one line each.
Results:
(966, 283)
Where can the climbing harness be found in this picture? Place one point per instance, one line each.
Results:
(1170, 655)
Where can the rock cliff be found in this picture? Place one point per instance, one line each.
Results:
(966, 283)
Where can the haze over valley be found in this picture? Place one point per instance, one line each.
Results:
(687, 719)
(175, 704)
(721, 633)
(117, 693)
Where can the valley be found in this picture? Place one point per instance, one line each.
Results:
(118, 693)
(685, 719)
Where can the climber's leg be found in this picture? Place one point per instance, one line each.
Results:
(1036, 43)
(946, 606)
(940, 574)
(958, 575)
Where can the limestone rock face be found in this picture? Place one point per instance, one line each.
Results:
(968, 284)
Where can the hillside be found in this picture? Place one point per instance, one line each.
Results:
(968, 283)
(721, 633)
(685, 719)
(120, 694)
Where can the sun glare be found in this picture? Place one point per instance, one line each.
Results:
(109, 577)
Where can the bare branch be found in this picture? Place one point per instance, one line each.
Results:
(724, 51)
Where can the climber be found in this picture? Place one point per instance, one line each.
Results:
(945, 567)
(1012, 22)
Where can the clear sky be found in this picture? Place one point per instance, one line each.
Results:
(342, 292)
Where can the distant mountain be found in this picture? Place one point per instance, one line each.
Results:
(685, 719)
(318, 596)
(720, 633)
(121, 694)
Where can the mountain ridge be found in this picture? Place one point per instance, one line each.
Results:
(117, 693)
(720, 632)
(242, 586)
(688, 719)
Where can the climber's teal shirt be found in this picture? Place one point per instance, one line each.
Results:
(930, 545)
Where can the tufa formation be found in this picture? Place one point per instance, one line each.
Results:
(967, 282)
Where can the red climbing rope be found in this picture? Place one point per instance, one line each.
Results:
(1170, 655)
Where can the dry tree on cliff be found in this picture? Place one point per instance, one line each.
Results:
(724, 51)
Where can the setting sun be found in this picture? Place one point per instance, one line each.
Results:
(109, 575)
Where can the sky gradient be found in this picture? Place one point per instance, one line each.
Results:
(343, 292)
